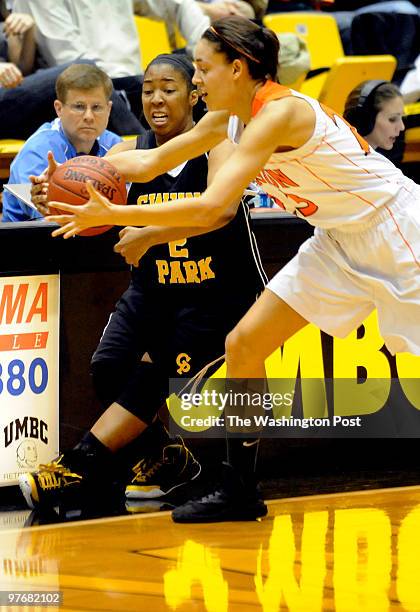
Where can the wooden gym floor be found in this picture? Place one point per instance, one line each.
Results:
(341, 551)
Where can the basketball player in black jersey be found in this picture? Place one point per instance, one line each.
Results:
(187, 293)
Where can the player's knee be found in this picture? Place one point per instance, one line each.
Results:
(106, 377)
(237, 345)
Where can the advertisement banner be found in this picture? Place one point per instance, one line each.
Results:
(29, 373)
(316, 386)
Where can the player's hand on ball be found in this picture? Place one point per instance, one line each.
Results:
(96, 211)
(133, 244)
(39, 192)
(45, 176)
(39, 188)
(52, 166)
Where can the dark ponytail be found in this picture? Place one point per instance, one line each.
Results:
(271, 51)
(238, 37)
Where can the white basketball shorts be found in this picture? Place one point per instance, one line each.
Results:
(339, 276)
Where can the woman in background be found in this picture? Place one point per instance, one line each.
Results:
(376, 109)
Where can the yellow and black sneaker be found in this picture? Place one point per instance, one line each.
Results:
(157, 477)
(45, 486)
(145, 506)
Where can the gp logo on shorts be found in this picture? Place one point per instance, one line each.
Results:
(183, 362)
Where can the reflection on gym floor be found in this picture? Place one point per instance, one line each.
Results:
(344, 551)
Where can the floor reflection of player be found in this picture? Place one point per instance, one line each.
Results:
(365, 252)
(186, 294)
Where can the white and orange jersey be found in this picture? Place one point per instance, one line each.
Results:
(335, 178)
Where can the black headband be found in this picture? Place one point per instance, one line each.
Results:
(180, 62)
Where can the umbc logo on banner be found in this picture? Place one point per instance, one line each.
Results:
(316, 386)
(30, 429)
(29, 384)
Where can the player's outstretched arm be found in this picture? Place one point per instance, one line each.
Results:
(142, 165)
(288, 124)
(136, 241)
(120, 147)
(99, 208)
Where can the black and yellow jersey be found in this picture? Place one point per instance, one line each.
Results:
(224, 262)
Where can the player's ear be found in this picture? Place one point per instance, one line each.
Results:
(194, 97)
(58, 106)
(237, 68)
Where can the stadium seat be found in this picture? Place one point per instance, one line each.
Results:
(348, 72)
(320, 32)
(153, 38)
(412, 134)
(8, 150)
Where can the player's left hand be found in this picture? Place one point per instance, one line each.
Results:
(39, 196)
(133, 244)
(96, 212)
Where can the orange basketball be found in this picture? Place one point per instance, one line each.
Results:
(68, 184)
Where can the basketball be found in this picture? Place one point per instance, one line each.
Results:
(68, 184)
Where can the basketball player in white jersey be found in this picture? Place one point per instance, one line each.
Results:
(365, 252)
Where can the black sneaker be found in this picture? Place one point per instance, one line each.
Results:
(159, 476)
(45, 486)
(232, 501)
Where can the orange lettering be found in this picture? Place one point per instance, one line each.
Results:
(42, 297)
(7, 304)
(309, 207)
(275, 177)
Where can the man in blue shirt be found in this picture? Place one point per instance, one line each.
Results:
(83, 106)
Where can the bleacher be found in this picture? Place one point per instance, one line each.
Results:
(332, 74)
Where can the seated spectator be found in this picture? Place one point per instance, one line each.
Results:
(345, 11)
(376, 109)
(71, 30)
(380, 32)
(185, 16)
(83, 106)
(294, 58)
(17, 47)
(192, 17)
(27, 101)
